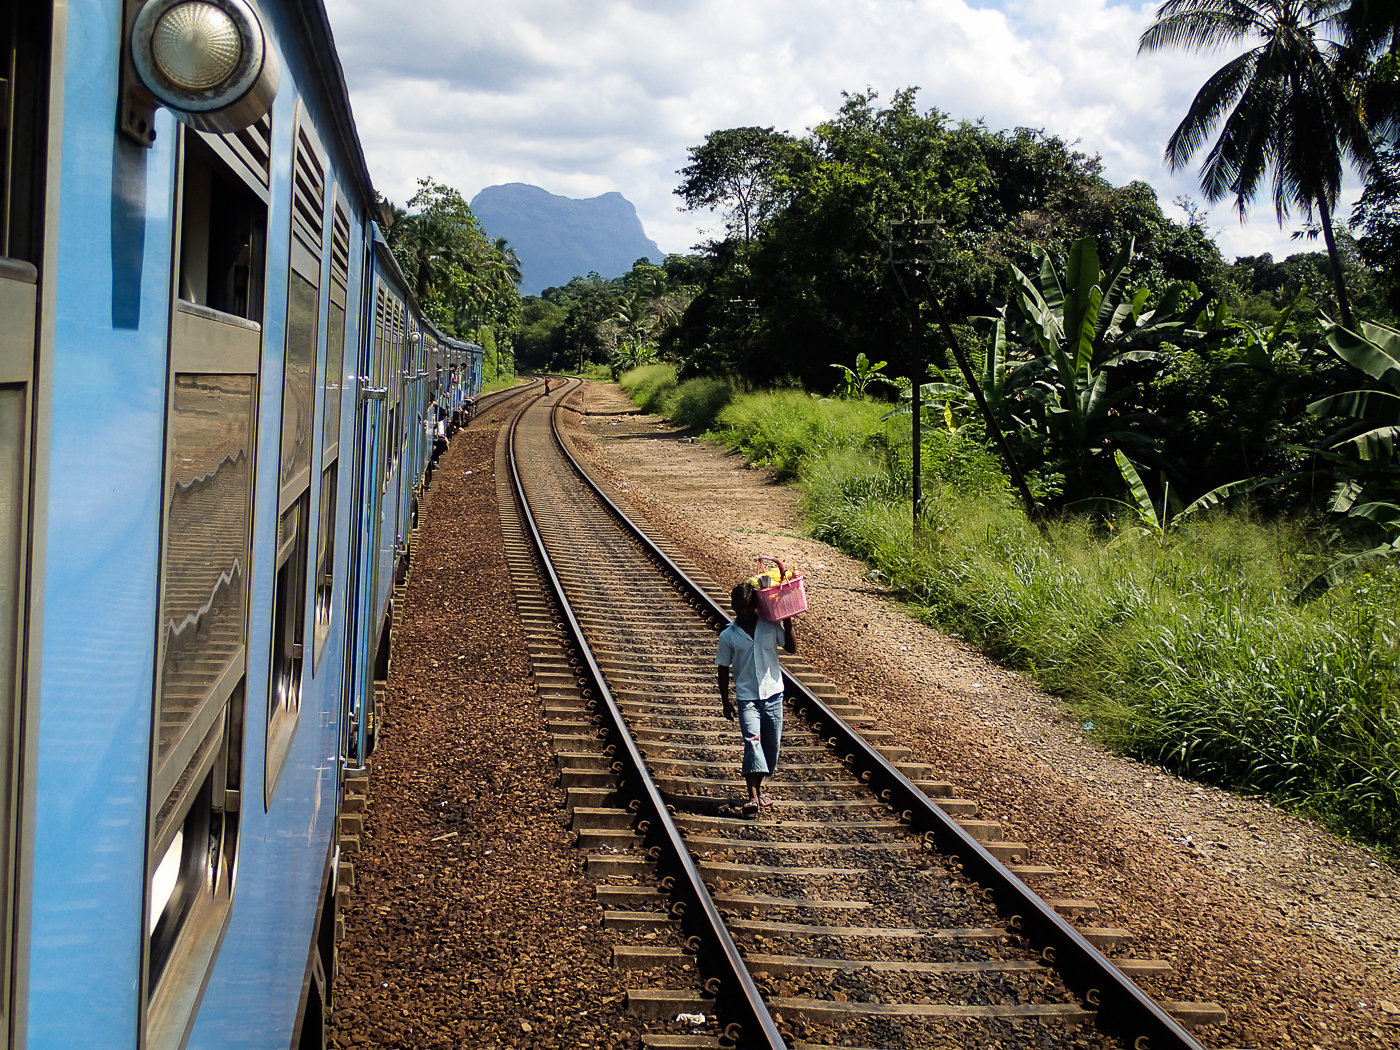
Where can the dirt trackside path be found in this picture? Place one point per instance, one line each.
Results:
(1293, 931)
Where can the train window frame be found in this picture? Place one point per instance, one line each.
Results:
(195, 790)
(229, 240)
(306, 280)
(15, 515)
(332, 397)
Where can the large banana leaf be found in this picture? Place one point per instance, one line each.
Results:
(1082, 299)
(1387, 515)
(1376, 351)
(1054, 295)
(1216, 496)
(1145, 508)
(1113, 310)
(1345, 494)
(1334, 572)
(994, 364)
(1374, 406)
(1374, 446)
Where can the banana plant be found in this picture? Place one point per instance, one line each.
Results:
(1082, 328)
(1149, 519)
(1363, 451)
(1376, 351)
(856, 381)
(1261, 348)
(996, 378)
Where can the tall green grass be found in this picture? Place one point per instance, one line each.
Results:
(650, 386)
(1189, 652)
(788, 430)
(694, 403)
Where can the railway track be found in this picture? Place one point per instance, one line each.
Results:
(872, 908)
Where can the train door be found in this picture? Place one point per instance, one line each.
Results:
(369, 468)
(296, 454)
(28, 41)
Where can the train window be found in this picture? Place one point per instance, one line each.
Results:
(330, 426)
(24, 35)
(297, 402)
(223, 225)
(298, 439)
(325, 558)
(381, 320)
(288, 634)
(335, 332)
(196, 781)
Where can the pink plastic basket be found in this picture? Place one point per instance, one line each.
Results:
(788, 598)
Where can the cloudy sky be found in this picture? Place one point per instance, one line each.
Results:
(586, 96)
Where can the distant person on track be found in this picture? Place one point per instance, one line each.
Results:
(749, 648)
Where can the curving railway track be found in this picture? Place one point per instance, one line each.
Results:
(870, 909)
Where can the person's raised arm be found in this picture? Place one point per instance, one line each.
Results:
(789, 639)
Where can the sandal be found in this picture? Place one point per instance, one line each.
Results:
(750, 809)
(765, 801)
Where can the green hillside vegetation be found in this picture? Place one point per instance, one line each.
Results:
(466, 283)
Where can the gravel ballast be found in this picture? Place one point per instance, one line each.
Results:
(472, 923)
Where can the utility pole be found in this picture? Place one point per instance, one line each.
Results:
(901, 252)
(911, 253)
(746, 310)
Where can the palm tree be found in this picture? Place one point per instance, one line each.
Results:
(1371, 30)
(509, 261)
(1281, 107)
(391, 222)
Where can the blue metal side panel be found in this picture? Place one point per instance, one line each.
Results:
(102, 529)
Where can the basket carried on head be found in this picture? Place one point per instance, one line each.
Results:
(788, 597)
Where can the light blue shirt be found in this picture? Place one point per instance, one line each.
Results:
(753, 661)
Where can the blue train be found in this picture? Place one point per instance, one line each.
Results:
(217, 411)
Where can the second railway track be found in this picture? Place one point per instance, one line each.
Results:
(872, 909)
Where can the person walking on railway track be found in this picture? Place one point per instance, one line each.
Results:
(748, 648)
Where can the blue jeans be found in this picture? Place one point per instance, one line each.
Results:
(762, 724)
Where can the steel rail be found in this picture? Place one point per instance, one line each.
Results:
(1122, 1009)
(731, 983)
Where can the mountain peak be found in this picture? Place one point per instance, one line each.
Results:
(559, 238)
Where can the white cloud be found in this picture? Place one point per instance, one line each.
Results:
(586, 96)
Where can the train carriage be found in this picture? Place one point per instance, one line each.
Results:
(215, 405)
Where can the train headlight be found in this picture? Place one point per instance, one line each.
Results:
(208, 61)
(196, 46)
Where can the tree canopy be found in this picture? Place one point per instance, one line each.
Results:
(462, 279)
